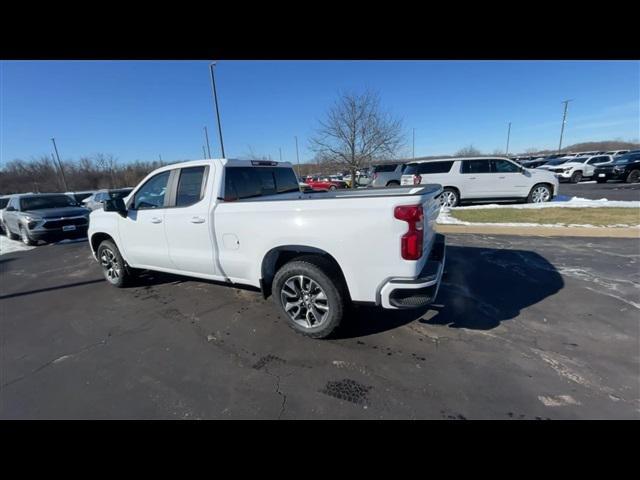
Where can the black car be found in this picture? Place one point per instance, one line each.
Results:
(625, 167)
(48, 217)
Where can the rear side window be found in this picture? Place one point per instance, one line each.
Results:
(190, 186)
(248, 182)
(475, 166)
(384, 168)
(427, 168)
(3, 202)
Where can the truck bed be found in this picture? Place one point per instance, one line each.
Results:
(349, 193)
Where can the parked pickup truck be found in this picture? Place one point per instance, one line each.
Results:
(247, 222)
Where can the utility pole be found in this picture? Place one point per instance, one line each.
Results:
(413, 154)
(508, 136)
(215, 101)
(297, 154)
(64, 180)
(280, 150)
(160, 157)
(206, 136)
(564, 120)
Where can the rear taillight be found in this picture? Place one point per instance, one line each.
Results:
(411, 242)
(417, 179)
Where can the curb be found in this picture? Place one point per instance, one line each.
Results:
(612, 232)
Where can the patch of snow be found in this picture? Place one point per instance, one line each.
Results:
(10, 246)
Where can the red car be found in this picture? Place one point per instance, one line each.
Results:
(318, 183)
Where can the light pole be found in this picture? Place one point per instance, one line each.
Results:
(280, 150)
(297, 155)
(564, 120)
(64, 180)
(413, 149)
(508, 136)
(206, 136)
(215, 101)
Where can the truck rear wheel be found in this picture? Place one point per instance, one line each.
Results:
(311, 301)
(114, 269)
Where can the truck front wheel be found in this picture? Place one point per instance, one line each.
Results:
(114, 269)
(312, 303)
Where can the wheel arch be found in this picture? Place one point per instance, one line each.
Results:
(99, 237)
(280, 255)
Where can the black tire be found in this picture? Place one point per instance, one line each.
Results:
(25, 238)
(393, 183)
(535, 189)
(109, 258)
(3, 229)
(11, 235)
(576, 177)
(325, 275)
(332, 187)
(633, 177)
(600, 180)
(452, 197)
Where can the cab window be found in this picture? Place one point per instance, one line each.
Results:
(152, 193)
(190, 186)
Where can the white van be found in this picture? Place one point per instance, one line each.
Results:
(482, 179)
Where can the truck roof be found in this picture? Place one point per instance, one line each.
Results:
(231, 162)
(453, 159)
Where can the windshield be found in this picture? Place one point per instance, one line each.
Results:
(120, 193)
(557, 161)
(626, 159)
(49, 201)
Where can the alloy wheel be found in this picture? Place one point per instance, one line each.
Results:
(304, 301)
(110, 265)
(540, 194)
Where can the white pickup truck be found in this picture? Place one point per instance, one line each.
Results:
(247, 222)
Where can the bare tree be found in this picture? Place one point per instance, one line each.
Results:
(356, 132)
(468, 151)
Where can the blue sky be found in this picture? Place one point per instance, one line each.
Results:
(143, 109)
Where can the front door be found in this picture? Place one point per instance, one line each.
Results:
(508, 178)
(142, 231)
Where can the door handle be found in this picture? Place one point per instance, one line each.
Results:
(156, 220)
(472, 178)
(501, 177)
(197, 220)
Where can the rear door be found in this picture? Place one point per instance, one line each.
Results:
(188, 224)
(142, 230)
(476, 179)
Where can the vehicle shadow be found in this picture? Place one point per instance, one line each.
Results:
(481, 288)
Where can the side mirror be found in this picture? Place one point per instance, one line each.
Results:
(115, 205)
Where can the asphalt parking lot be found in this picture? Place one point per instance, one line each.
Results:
(596, 191)
(523, 328)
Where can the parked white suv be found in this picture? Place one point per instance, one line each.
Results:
(482, 179)
(575, 169)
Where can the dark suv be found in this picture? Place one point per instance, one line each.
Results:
(624, 167)
(48, 217)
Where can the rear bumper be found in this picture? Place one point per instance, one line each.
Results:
(398, 293)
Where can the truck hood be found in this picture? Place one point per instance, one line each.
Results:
(58, 212)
